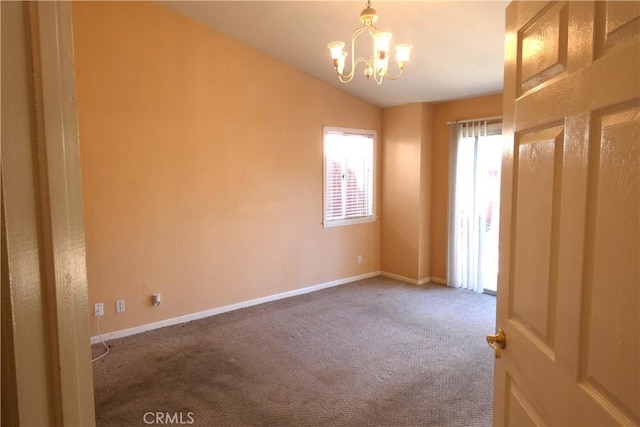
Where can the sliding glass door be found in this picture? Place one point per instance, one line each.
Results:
(474, 207)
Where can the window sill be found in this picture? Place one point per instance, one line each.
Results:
(341, 222)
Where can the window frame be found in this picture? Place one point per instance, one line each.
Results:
(374, 183)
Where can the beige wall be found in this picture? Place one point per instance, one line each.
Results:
(202, 167)
(406, 181)
(472, 108)
(415, 184)
(202, 170)
(400, 189)
(426, 153)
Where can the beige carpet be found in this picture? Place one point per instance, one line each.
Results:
(376, 352)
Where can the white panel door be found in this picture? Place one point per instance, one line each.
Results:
(569, 280)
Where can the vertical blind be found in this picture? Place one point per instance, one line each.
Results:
(474, 181)
(348, 176)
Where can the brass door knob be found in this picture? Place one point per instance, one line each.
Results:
(497, 342)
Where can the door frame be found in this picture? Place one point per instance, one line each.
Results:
(45, 293)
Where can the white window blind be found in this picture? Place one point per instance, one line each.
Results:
(349, 176)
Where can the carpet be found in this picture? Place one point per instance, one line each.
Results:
(376, 352)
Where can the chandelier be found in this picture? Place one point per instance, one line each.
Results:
(376, 65)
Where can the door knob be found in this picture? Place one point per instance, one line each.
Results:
(497, 342)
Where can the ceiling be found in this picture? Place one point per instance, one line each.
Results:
(458, 46)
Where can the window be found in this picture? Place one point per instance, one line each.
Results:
(349, 176)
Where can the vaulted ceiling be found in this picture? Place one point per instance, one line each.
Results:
(458, 46)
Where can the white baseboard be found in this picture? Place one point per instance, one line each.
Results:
(414, 281)
(219, 310)
(403, 278)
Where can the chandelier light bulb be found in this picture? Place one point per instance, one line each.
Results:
(341, 62)
(376, 65)
(403, 52)
(381, 42)
(336, 49)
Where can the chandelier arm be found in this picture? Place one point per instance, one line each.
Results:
(362, 59)
(346, 78)
(354, 60)
(356, 33)
(387, 75)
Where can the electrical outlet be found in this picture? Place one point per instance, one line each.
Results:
(98, 309)
(359, 259)
(120, 306)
